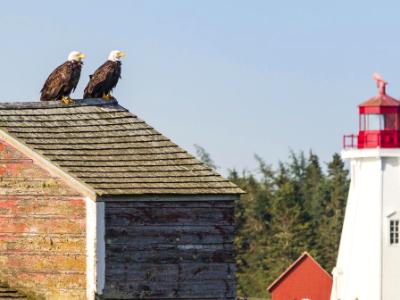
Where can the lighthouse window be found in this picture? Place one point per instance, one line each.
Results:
(374, 122)
(391, 121)
(394, 232)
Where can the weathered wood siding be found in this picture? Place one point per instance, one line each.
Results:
(169, 250)
(42, 230)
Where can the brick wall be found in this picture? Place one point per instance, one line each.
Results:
(42, 230)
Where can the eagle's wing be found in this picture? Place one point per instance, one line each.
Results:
(100, 80)
(75, 75)
(56, 82)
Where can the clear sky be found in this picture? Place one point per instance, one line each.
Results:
(236, 77)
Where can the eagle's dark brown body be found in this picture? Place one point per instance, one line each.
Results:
(104, 80)
(62, 81)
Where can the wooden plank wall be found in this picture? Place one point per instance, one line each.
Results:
(42, 230)
(169, 250)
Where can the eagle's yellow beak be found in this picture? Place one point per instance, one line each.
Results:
(81, 55)
(121, 54)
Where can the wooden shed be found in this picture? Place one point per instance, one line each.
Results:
(305, 279)
(95, 203)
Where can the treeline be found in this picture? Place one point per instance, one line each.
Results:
(287, 210)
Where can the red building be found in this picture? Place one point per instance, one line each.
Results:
(305, 279)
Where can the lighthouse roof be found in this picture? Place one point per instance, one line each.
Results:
(380, 100)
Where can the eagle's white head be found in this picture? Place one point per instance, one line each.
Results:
(115, 55)
(75, 56)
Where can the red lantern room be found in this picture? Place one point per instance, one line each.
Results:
(379, 123)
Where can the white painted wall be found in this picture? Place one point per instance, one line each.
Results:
(367, 266)
(95, 248)
(100, 248)
(391, 208)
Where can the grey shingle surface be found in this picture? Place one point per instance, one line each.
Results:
(109, 149)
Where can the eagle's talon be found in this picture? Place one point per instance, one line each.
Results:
(107, 97)
(67, 100)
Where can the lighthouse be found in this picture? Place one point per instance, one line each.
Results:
(368, 263)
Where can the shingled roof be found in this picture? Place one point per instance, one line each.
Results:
(110, 150)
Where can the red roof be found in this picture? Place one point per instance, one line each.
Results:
(292, 266)
(381, 100)
(304, 279)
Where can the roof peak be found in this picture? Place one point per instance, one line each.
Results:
(304, 255)
(57, 104)
(381, 100)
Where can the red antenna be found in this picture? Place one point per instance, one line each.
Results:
(380, 83)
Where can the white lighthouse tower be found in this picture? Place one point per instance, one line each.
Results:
(368, 264)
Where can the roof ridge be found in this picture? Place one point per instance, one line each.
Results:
(57, 104)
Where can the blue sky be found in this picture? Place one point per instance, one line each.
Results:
(237, 77)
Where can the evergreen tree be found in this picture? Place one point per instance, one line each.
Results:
(312, 187)
(296, 207)
(314, 191)
(205, 157)
(334, 208)
(287, 225)
(251, 237)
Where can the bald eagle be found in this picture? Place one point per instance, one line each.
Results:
(64, 79)
(105, 78)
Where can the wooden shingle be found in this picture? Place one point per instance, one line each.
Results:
(109, 149)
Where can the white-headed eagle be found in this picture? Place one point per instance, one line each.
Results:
(64, 79)
(105, 78)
